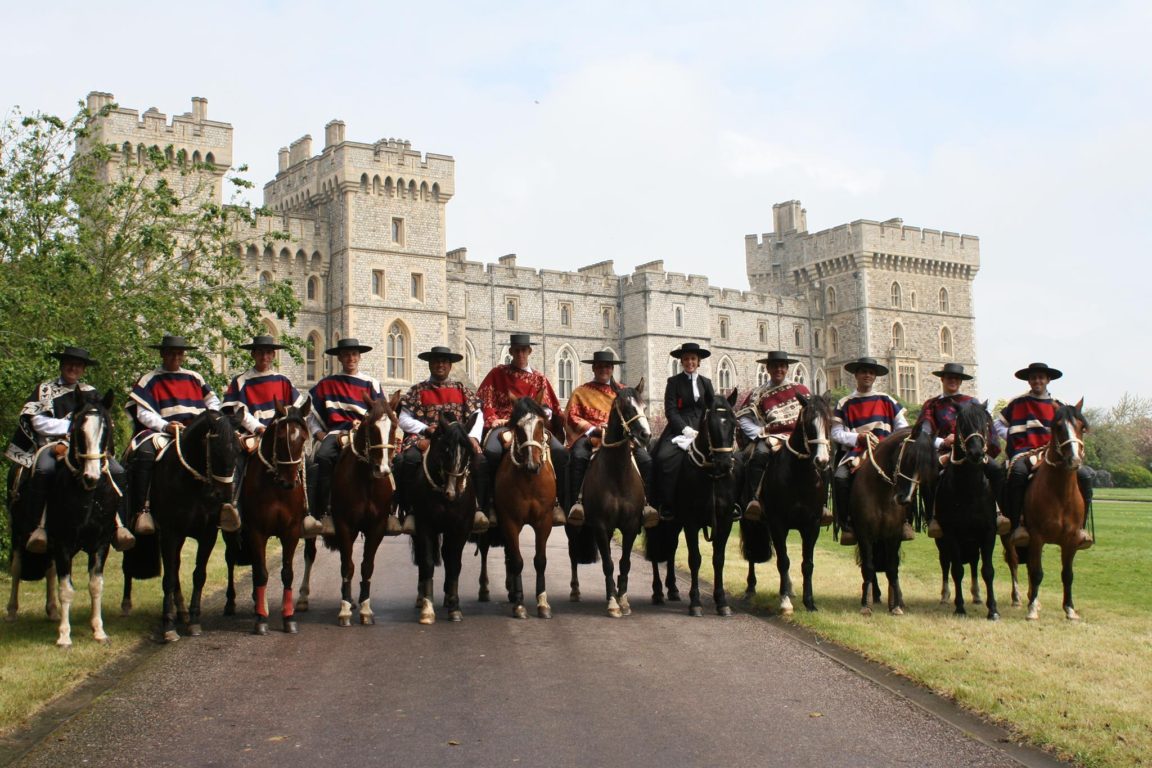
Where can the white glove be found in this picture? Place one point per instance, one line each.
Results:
(683, 442)
(689, 433)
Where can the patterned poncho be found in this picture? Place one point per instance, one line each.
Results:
(775, 407)
(258, 393)
(172, 395)
(505, 384)
(589, 406)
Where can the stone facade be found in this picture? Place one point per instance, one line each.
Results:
(367, 253)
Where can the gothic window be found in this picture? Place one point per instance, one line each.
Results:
(417, 286)
(512, 308)
(816, 339)
(831, 304)
(897, 336)
(565, 366)
(896, 295)
(678, 315)
(311, 357)
(946, 342)
(912, 300)
(265, 279)
(834, 340)
(378, 283)
(313, 288)
(800, 374)
(944, 300)
(821, 382)
(606, 317)
(906, 383)
(506, 356)
(724, 375)
(565, 315)
(397, 352)
(398, 231)
(796, 335)
(762, 376)
(763, 331)
(723, 327)
(364, 183)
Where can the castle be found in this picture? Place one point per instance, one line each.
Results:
(367, 254)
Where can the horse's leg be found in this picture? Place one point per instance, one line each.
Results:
(67, 593)
(204, 547)
(627, 542)
(426, 573)
(347, 571)
(96, 592)
(988, 571)
(367, 566)
(957, 568)
(867, 573)
(945, 572)
(170, 552)
(977, 597)
(126, 597)
(895, 593)
(482, 547)
(671, 587)
(230, 562)
(514, 565)
(14, 596)
(657, 585)
(750, 584)
(783, 564)
(540, 562)
(258, 551)
(451, 554)
(1035, 576)
(306, 579)
(719, 552)
(692, 535)
(808, 536)
(1066, 555)
(605, 548)
(287, 609)
(51, 601)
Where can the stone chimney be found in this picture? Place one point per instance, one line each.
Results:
(333, 133)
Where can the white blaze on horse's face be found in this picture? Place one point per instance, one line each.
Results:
(383, 427)
(533, 450)
(641, 416)
(92, 427)
(1075, 448)
(819, 448)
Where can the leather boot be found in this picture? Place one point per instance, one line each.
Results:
(36, 498)
(754, 477)
(577, 470)
(842, 493)
(141, 485)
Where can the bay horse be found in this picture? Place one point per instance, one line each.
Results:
(82, 508)
(444, 498)
(885, 484)
(362, 487)
(1054, 509)
(192, 478)
(613, 499)
(966, 504)
(793, 494)
(22, 564)
(273, 502)
(524, 495)
(704, 498)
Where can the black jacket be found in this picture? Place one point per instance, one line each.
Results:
(679, 408)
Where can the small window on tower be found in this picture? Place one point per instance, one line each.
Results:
(398, 231)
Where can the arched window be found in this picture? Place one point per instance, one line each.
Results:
(816, 339)
(678, 314)
(565, 315)
(673, 366)
(312, 356)
(821, 381)
(397, 351)
(469, 361)
(896, 295)
(897, 336)
(800, 374)
(944, 300)
(313, 288)
(724, 374)
(946, 342)
(831, 303)
(723, 327)
(265, 279)
(834, 340)
(762, 376)
(763, 333)
(506, 356)
(796, 330)
(364, 183)
(565, 373)
(511, 308)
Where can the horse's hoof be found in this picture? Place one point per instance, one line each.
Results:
(1015, 603)
(1071, 615)
(977, 601)
(723, 610)
(230, 609)
(290, 627)
(574, 596)
(101, 639)
(811, 607)
(427, 612)
(483, 597)
(993, 616)
(456, 615)
(786, 608)
(897, 611)
(125, 609)
(614, 612)
(195, 630)
(345, 621)
(171, 636)
(673, 595)
(301, 605)
(657, 599)
(544, 612)
(695, 610)
(866, 611)
(960, 612)
(625, 605)
(367, 619)
(64, 645)
(945, 600)
(260, 628)
(54, 616)
(749, 594)
(520, 612)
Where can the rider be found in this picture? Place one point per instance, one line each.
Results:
(939, 413)
(45, 419)
(258, 389)
(687, 396)
(864, 415)
(338, 403)
(498, 393)
(767, 417)
(587, 416)
(1025, 425)
(162, 401)
(419, 416)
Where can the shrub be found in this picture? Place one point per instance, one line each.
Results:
(1131, 476)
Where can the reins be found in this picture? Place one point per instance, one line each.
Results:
(209, 477)
(698, 457)
(528, 443)
(272, 465)
(449, 475)
(625, 425)
(369, 446)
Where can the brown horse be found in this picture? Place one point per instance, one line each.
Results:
(613, 499)
(525, 492)
(362, 486)
(885, 484)
(273, 501)
(1054, 509)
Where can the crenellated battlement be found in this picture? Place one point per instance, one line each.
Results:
(204, 140)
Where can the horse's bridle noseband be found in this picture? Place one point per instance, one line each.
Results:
(208, 477)
(698, 457)
(272, 465)
(528, 443)
(449, 474)
(625, 425)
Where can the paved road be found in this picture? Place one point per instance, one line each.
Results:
(654, 689)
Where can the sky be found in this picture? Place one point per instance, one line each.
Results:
(635, 131)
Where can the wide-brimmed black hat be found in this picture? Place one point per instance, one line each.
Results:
(349, 343)
(776, 356)
(74, 353)
(690, 347)
(603, 357)
(441, 352)
(172, 342)
(952, 369)
(263, 342)
(1032, 368)
(866, 362)
(520, 340)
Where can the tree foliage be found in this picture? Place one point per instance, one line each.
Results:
(1119, 440)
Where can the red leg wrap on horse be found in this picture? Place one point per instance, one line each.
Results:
(261, 602)
(288, 607)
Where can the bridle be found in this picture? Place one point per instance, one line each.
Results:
(73, 459)
(208, 477)
(1073, 439)
(625, 425)
(808, 441)
(707, 460)
(369, 446)
(456, 476)
(273, 465)
(528, 443)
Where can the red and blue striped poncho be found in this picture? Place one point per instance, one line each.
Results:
(172, 395)
(258, 393)
(1028, 420)
(338, 400)
(875, 413)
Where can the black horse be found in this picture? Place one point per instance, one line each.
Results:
(793, 494)
(22, 564)
(966, 503)
(82, 505)
(704, 499)
(192, 479)
(444, 497)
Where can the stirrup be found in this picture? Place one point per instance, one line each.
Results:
(650, 516)
(934, 530)
(825, 517)
(123, 540)
(1003, 525)
(1086, 541)
(392, 526)
(311, 527)
(753, 511)
(576, 514)
(480, 522)
(558, 516)
(37, 542)
(1019, 537)
(327, 527)
(847, 538)
(229, 518)
(906, 532)
(145, 525)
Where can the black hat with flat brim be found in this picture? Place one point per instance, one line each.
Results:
(441, 353)
(866, 364)
(173, 342)
(1032, 368)
(603, 357)
(343, 345)
(520, 340)
(952, 369)
(776, 356)
(263, 342)
(78, 354)
(690, 348)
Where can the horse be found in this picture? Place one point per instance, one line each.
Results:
(886, 482)
(793, 494)
(613, 499)
(362, 486)
(525, 492)
(444, 498)
(1054, 509)
(22, 564)
(273, 501)
(82, 508)
(192, 478)
(966, 504)
(704, 498)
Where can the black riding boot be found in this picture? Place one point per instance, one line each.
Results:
(36, 499)
(1014, 499)
(1084, 478)
(753, 478)
(141, 482)
(842, 496)
(577, 468)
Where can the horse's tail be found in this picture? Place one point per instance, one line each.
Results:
(330, 542)
(34, 567)
(755, 541)
(236, 550)
(660, 542)
(582, 544)
(143, 560)
(434, 548)
(493, 537)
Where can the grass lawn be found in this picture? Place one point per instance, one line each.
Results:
(1123, 494)
(1081, 689)
(34, 671)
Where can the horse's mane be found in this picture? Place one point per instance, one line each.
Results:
(972, 417)
(823, 407)
(525, 406)
(1066, 412)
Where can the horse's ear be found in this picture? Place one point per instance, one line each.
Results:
(281, 411)
(541, 396)
(802, 399)
(468, 425)
(983, 405)
(732, 397)
(640, 387)
(1080, 405)
(306, 408)
(443, 422)
(109, 398)
(394, 401)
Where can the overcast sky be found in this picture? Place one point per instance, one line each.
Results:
(667, 130)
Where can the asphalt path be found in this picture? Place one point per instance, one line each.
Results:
(656, 688)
